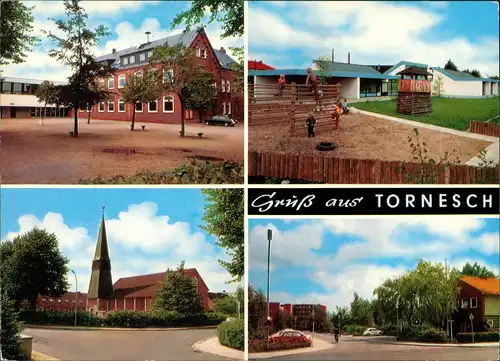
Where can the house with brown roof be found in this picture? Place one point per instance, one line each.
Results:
(479, 297)
(129, 293)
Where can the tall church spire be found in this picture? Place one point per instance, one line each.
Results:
(101, 284)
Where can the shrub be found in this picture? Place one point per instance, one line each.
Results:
(478, 337)
(426, 334)
(355, 330)
(260, 345)
(232, 334)
(60, 318)
(9, 332)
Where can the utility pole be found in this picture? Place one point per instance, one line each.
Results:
(269, 238)
(76, 296)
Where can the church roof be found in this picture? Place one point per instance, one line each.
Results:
(101, 283)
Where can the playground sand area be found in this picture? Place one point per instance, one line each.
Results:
(34, 154)
(364, 137)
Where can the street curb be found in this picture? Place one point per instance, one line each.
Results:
(238, 355)
(38, 356)
(70, 328)
(324, 345)
(456, 345)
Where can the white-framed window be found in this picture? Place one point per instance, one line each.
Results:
(111, 106)
(228, 86)
(125, 61)
(204, 53)
(168, 104)
(198, 52)
(111, 82)
(223, 85)
(121, 106)
(229, 108)
(138, 107)
(132, 59)
(473, 302)
(101, 107)
(168, 75)
(153, 107)
(122, 81)
(142, 57)
(149, 54)
(223, 107)
(465, 303)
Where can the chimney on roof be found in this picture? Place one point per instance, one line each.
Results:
(113, 51)
(333, 55)
(348, 58)
(147, 35)
(222, 50)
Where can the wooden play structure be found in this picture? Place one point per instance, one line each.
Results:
(266, 104)
(414, 93)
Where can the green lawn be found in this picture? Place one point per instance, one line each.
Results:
(448, 112)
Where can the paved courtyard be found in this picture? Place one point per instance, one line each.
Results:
(357, 348)
(120, 345)
(46, 154)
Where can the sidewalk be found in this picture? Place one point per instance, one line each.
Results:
(318, 345)
(392, 341)
(83, 328)
(212, 345)
(38, 356)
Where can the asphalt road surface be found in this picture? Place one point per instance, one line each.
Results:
(120, 345)
(356, 348)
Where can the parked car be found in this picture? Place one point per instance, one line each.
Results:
(221, 120)
(372, 332)
(290, 336)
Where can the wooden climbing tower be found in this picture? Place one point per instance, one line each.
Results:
(414, 93)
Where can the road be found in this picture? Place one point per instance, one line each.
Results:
(120, 345)
(356, 348)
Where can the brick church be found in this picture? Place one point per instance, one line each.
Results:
(129, 293)
(167, 108)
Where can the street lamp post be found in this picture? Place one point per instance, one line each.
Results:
(76, 295)
(397, 318)
(269, 238)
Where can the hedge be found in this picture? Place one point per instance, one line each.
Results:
(232, 334)
(478, 337)
(131, 319)
(426, 334)
(356, 330)
(260, 345)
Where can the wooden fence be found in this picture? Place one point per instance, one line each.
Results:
(266, 104)
(491, 129)
(331, 170)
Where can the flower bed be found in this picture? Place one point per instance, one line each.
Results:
(275, 345)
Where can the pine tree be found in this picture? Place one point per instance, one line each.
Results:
(10, 342)
(178, 293)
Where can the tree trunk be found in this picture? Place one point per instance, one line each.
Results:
(32, 301)
(133, 119)
(183, 125)
(75, 130)
(44, 111)
(89, 109)
(201, 113)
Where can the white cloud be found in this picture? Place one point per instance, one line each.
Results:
(373, 32)
(140, 242)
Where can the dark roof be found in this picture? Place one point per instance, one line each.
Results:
(349, 68)
(460, 74)
(225, 60)
(414, 70)
(101, 283)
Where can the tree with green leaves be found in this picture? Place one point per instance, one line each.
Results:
(142, 87)
(325, 68)
(257, 313)
(74, 49)
(360, 311)
(341, 316)
(494, 77)
(224, 218)
(227, 305)
(474, 72)
(178, 293)
(178, 71)
(200, 94)
(238, 67)
(438, 86)
(321, 322)
(230, 13)
(94, 95)
(11, 348)
(33, 265)
(283, 320)
(477, 270)
(450, 65)
(46, 93)
(16, 25)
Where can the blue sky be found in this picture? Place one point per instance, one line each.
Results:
(325, 261)
(147, 230)
(126, 20)
(290, 34)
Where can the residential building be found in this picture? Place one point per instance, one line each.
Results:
(301, 313)
(258, 65)
(130, 293)
(64, 303)
(479, 297)
(167, 108)
(18, 100)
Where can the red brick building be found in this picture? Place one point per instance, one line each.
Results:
(302, 313)
(65, 303)
(167, 108)
(129, 293)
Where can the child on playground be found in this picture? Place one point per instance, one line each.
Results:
(343, 105)
(312, 82)
(336, 113)
(310, 124)
(282, 83)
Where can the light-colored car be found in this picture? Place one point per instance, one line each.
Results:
(372, 332)
(290, 334)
